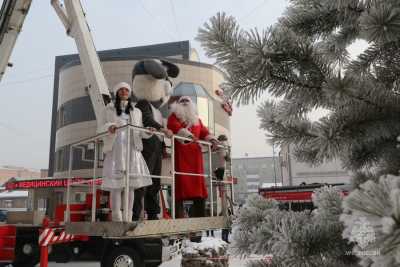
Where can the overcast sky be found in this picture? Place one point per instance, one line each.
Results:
(26, 90)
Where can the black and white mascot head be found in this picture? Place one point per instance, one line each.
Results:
(152, 87)
(151, 80)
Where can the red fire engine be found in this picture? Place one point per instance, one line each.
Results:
(299, 197)
(27, 238)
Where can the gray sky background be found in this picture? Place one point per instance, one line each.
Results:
(26, 90)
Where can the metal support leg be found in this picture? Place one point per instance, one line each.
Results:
(127, 169)
(211, 181)
(173, 176)
(44, 256)
(231, 173)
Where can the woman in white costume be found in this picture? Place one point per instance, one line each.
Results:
(118, 114)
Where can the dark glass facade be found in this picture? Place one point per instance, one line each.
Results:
(75, 111)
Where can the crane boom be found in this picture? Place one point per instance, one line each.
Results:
(12, 16)
(74, 21)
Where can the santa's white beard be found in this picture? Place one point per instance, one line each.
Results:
(186, 114)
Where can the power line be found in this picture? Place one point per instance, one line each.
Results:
(252, 11)
(175, 18)
(160, 22)
(30, 71)
(27, 80)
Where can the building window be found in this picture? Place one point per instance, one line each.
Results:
(202, 109)
(75, 111)
(211, 121)
(83, 158)
(80, 197)
(8, 203)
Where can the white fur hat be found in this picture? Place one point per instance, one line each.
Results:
(121, 85)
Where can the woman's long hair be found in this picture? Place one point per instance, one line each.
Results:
(117, 105)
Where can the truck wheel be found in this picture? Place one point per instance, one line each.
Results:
(123, 257)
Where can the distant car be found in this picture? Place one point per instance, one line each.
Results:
(3, 215)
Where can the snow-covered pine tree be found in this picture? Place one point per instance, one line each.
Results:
(303, 61)
(293, 238)
(375, 205)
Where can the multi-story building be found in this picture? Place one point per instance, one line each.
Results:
(296, 173)
(6, 172)
(252, 173)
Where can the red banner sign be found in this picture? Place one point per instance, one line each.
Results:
(307, 195)
(47, 183)
(293, 196)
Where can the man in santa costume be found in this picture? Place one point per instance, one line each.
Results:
(184, 121)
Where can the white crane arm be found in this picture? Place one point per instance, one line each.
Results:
(12, 16)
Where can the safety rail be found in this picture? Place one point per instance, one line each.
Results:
(129, 128)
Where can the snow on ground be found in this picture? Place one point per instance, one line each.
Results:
(233, 262)
(206, 243)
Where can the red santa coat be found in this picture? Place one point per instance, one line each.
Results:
(188, 159)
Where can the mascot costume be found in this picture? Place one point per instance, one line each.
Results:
(152, 88)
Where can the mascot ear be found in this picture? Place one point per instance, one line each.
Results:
(155, 69)
(149, 67)
(172, 69)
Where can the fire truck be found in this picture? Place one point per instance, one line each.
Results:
(28, 236)
(79, 229)
(298, 198)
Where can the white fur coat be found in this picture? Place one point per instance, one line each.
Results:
(111, 120)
